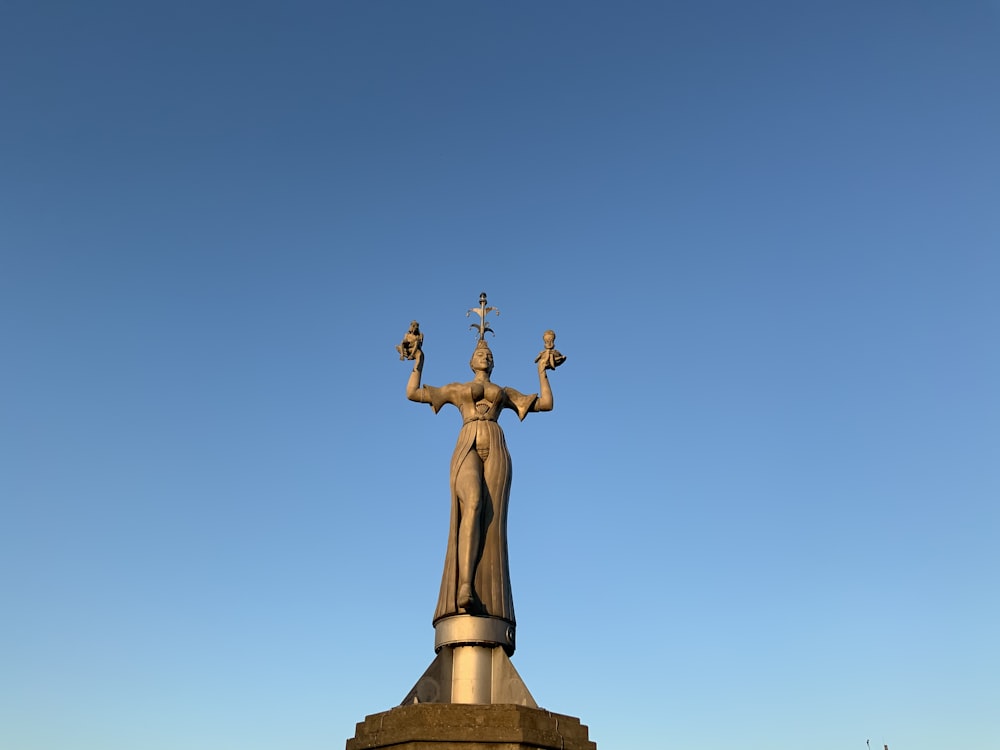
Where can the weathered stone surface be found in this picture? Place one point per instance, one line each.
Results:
(452, 726)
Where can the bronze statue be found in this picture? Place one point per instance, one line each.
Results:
(476, 579)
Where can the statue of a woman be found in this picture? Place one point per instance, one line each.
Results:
(476, 578)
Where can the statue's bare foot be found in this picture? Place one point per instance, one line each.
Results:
(465, 596)
(468, 602)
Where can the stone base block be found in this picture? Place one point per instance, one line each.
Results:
(454, 726)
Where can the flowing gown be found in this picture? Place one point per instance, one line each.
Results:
(492, 581)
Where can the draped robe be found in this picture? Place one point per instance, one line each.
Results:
(492, 580)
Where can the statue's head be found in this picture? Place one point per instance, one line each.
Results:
(482, 358)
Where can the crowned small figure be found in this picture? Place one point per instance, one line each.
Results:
(550, 357)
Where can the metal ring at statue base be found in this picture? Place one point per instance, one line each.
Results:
(471, 630)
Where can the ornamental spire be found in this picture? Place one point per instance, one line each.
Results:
(482, 311)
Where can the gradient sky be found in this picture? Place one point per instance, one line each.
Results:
(764, 512)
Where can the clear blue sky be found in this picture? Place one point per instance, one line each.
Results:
(764, 512)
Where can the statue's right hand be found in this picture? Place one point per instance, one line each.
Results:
(418, 357)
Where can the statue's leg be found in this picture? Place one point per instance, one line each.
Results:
(469, 488)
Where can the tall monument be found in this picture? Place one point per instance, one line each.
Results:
(471, 695)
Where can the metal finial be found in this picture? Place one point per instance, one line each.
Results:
(482, 311)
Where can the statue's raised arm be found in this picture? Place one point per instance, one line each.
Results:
(413, 384)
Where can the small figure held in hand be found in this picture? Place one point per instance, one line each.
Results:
(550, 358)
(411, 343)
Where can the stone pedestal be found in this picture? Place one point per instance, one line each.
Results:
(452, 726)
